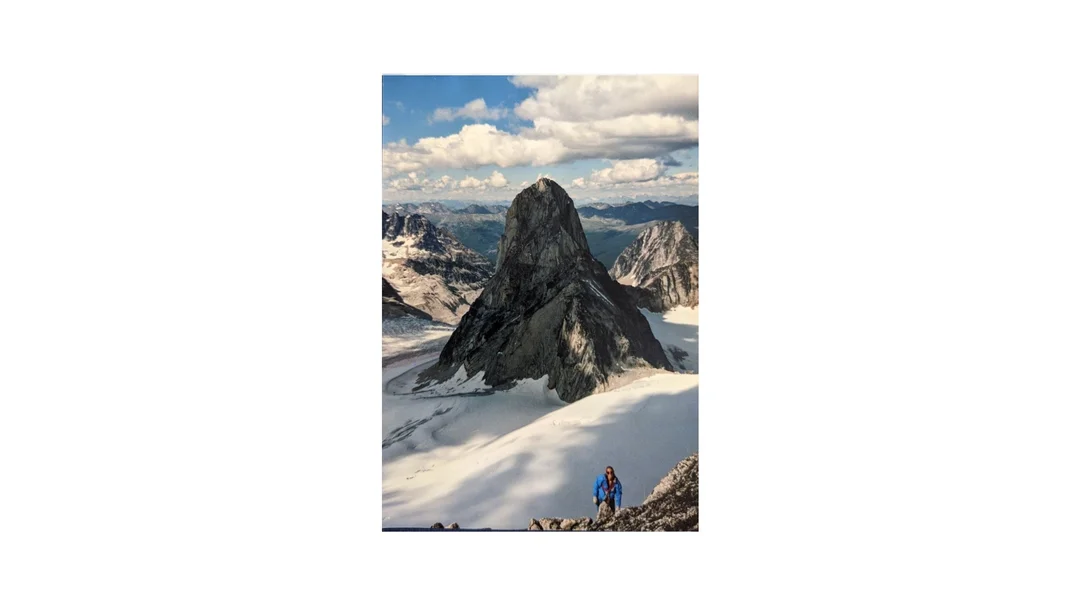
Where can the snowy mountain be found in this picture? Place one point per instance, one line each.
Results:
(550, 310)
(429, 268)
(395, 307)
(660, 267)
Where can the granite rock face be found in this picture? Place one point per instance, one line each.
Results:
(550, 309)
(429, 268)
(660, 268)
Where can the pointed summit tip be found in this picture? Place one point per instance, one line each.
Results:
(540, 183)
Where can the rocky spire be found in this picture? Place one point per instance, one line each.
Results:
(550, 309)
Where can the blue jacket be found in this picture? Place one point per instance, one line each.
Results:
(600, 489)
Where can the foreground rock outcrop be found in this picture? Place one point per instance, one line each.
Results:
(671, 506)
(549, 310)
(660, 268)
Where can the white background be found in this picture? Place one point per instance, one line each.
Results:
(189, 392)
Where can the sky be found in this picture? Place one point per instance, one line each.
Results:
(485, 138)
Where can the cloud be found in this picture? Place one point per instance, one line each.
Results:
(474, 146)
(670, 161)
(640, 175)
(547, 143)
(628, 171)
(470, 183)
(641, 125)
(416, 181)
(476, 110)
(385, 120)
(400, 106)
(581, 98)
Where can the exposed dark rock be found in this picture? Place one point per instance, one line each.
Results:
(437, 526)
(550, 309)
(534, 525)
(454, 526)
(660, 268)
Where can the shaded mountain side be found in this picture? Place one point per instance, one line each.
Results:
(550, 309)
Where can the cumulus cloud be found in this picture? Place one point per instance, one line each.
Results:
(418, 182)
(628, 171)
(581, 98)
(547, 143)
(639, 124)
(640, 174)
(476, 110)
(385, 120)
(474, 146)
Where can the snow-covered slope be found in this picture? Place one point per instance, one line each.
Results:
(430, 269)
(677, 331)
(459, 452)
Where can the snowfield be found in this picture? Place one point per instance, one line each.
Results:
(677, 330)
(461, 452)
(410, 336)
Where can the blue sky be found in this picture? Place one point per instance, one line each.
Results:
(485, 137)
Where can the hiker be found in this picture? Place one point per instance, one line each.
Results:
(608, 489)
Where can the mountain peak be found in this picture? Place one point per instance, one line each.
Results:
(550, 310)
(542, 227)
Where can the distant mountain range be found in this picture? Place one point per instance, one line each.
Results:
(609, 227)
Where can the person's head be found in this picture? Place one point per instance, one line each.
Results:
(609, 472)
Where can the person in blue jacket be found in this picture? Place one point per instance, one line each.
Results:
(607, 488)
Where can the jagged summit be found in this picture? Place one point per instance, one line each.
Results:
(660, 267)
(542, 227)
(550, 309)
(429, 268)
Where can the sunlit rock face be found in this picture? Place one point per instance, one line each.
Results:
(660, 267)
(551, 309)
